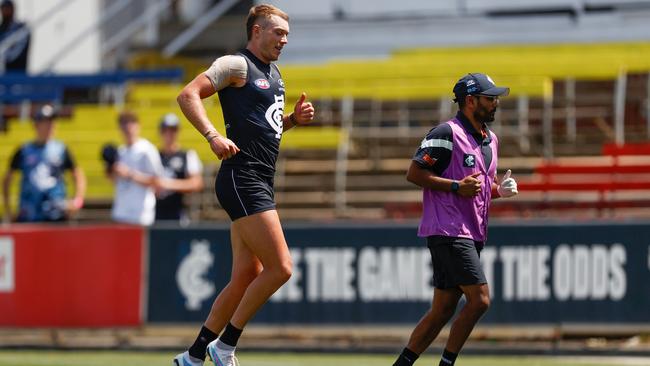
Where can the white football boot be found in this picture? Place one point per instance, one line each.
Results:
(220, 356)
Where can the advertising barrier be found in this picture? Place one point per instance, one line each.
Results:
(546, 273)
(70, 276)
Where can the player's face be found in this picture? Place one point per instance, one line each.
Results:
(273, 37)
(486, 108)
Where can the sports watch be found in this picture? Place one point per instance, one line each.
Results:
(455, 186)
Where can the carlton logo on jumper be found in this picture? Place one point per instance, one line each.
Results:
(274, 115)
(469, 160)
(7, 266)
(190, 275)
(262, 84)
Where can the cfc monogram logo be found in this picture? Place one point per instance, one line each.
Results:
(274, 115)
(189, 276)
(469, 160)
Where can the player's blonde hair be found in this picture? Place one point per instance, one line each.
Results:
(263, 11)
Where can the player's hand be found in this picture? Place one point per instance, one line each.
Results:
(508, 186)
(303, 112)
(223, 147)
(470, 186)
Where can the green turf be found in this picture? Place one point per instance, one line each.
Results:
(85, 358)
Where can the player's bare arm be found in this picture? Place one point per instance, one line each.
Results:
(222, 73)
(468, 187)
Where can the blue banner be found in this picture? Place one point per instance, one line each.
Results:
(538, 273)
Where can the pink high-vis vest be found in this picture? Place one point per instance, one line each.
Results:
(450, 214)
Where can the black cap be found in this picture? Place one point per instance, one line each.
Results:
(8, 3)
(44, 112)
(478, 84)
(169, 120)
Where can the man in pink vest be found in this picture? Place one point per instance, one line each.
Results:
(456, 166)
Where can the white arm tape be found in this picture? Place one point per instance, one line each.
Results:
(224, 69)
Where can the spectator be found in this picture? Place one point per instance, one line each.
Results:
(182, 173)
(135, 173)
(42, 164)
(15, 57)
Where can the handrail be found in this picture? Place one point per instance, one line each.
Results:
(76, 40)
(20, 87)
(92, 79)
(125, 33)
(199, 25)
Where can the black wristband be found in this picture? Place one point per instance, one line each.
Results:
(292, 119)
(455, 186)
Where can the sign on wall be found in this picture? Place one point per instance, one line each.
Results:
(382, 274)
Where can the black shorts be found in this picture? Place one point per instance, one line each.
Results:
(243, 192)
(456, 262)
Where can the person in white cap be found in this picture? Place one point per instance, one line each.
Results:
(182, 173)
(42, 164)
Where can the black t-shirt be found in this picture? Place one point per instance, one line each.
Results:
(169, 206)
(253, 116)
(436, 156)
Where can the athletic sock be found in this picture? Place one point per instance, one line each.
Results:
(231, 335)
(406, 358)
(201, 343)
(448, 358)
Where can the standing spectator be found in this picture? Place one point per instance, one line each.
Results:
(456, 165)
(42, 163)
(182, 173)
(15, 57)
(135, 173)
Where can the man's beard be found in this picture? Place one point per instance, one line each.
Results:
(483, 115)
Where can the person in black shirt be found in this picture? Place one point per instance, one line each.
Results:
(251, 92)
(15, 57)
(181, 173)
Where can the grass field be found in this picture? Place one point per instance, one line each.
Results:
(108, 358)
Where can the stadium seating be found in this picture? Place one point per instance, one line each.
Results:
(90, 126)
(396, 100)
